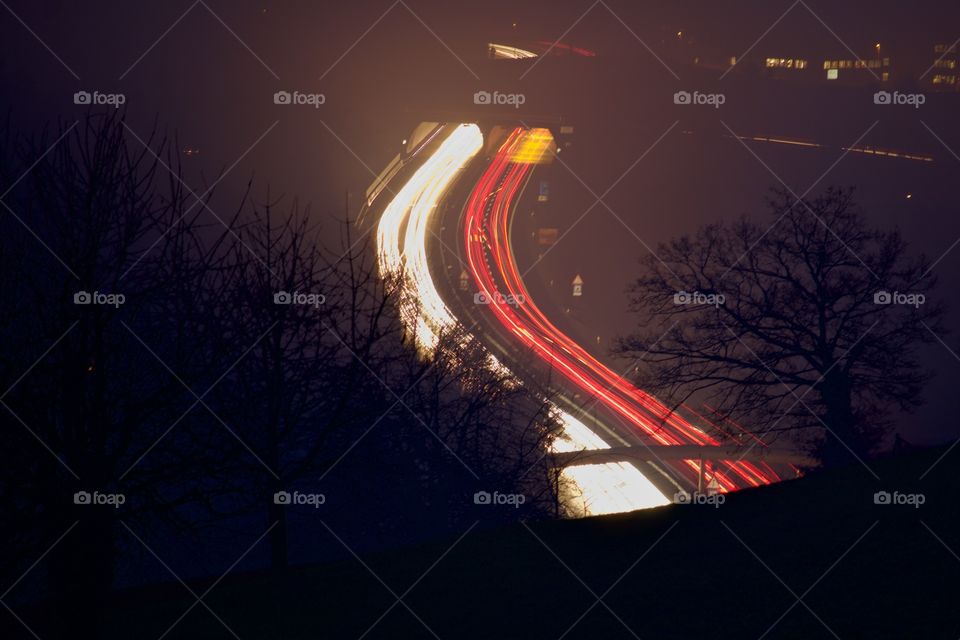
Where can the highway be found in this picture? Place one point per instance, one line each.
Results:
(509, 325)
(496, 275)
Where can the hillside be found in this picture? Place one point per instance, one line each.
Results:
(862, 570)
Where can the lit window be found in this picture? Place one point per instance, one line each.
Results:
(789, 63)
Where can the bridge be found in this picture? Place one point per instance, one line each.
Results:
(655, 453)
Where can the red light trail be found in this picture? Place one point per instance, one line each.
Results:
(491, 262)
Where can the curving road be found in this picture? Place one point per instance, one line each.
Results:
(406, 231)
(494, 269)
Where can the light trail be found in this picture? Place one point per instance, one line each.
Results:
(507, 52)
(495, 272)
(868, 150)
(421, 307)
(401, 249)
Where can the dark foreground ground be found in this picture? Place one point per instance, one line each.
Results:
(811, 558)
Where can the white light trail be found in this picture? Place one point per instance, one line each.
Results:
(600, 488)
(506, 51)
(421, 307)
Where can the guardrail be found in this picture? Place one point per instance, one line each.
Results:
(655, 453)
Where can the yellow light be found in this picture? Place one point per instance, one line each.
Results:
(533, 147)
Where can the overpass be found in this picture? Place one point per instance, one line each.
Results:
(655, 453)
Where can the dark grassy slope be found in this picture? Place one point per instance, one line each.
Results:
(699, 580)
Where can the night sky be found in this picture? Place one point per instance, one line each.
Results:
(206, 73)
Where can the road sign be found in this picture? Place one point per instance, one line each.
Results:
(544, 191)
(713, 487)
(464, 280)
(578, 286)
(547, 235)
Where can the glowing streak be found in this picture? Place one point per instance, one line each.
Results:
(511, 53)
(487, 234)
(421, 307)
(604, 488)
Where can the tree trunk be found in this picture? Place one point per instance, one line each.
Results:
(841, 445)
(279, 560)
(276, 513)
(81, 573)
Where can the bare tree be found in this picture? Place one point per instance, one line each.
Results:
(329, 361)
(316, 323)
(482, 426)
(103, 256)
(806, 324)
(195, 367)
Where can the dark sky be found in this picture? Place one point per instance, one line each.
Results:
(208, 70)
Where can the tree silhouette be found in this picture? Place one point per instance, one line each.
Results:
(324, 371)
(175, 358)
(807, 324)
(105, 264)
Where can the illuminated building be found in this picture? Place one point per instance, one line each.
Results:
(945, 71)
(786, 63)
(808, 64)
(860, 69)
(786, 68)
